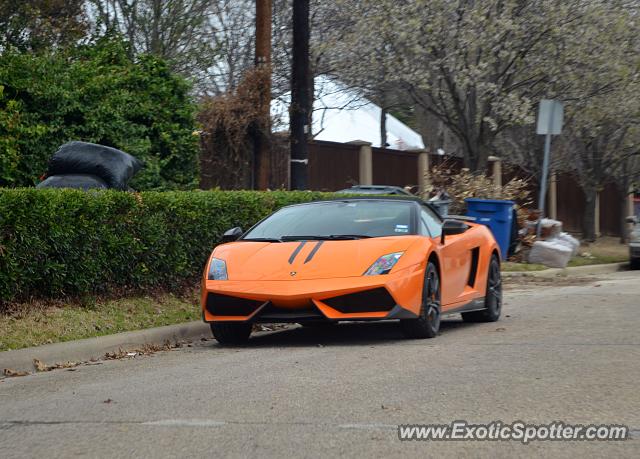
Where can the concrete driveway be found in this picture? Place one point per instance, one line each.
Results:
(561, 352)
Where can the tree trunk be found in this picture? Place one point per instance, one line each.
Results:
(589, 218)
(156, 47)
(300, 97)
(261, 140)
(431, 130)
(469, 156)
(476, 156)
(383, 128)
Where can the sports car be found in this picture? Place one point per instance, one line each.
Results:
(352, 259)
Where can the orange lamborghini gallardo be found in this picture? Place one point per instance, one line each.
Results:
(372, 258)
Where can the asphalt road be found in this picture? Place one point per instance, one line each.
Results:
(569, 353)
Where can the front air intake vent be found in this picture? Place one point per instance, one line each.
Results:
(272, 313)
(223, 305)
(375, 300)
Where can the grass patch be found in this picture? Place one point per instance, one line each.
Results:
(597, 260)
(512, 267)
(33, 324)
(605, 250)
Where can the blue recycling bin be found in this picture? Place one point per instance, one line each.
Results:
(497, 215)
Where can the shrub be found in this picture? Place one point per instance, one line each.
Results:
(56, 243)
(229, 122)
(96, 93)
(462, 184)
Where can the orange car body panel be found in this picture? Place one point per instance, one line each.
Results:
(269, 272)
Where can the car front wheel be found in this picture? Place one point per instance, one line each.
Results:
(427, 324)
(492, 299)
(231, 332)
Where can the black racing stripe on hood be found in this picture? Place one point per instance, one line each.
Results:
(296, 252)
(313, 252)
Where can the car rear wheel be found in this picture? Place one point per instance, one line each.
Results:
(231, 332)
(427, 324)
(634, 263)
(492, 298)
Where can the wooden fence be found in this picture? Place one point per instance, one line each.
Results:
(392, 167)
(334, 166)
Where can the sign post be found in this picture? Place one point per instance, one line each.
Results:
(550, 118)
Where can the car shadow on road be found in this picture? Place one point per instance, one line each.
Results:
(357, 333)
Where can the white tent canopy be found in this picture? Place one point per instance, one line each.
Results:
(342, 115)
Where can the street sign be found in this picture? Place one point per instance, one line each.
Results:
(550, 117)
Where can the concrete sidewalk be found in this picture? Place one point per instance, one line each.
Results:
(95, 348)
(576, 271)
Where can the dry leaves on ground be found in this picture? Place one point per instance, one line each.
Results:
(10, 373)
(41, 366)
(147, 349)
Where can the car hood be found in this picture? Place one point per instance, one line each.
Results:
(307, 259)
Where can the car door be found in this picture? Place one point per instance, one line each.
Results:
(455, 258)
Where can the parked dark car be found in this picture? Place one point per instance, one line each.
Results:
(634, 242)
(375, 189)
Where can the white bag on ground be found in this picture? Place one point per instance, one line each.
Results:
(552, 253)
(569, 241)
(550, 227)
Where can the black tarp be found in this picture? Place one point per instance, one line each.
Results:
(77, 181)
(113, 166)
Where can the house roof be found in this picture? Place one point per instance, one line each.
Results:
(341, 114)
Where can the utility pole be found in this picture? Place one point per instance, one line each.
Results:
(301, 98)
(262, 141)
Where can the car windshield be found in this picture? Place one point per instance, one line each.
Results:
(336, 220)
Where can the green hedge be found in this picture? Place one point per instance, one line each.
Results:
(57, 243)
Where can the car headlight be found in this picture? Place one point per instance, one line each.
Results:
(217, 269)
(384, 264)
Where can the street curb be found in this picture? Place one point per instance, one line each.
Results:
(575, 271)
(95, 348)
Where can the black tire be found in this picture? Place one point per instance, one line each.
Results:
(634, 263)
(231, 332)
(427, 324)
(492, 299)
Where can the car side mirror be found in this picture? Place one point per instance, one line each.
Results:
(632, 219)
(451, 227)
(232, 235)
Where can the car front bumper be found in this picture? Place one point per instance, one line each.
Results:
(390, 296)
